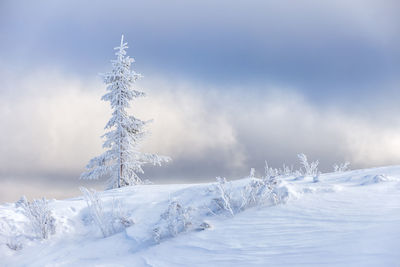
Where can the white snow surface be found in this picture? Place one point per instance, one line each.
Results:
(347, 219)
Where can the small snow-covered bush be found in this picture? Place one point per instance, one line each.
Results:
(270, 183)
(252, 173)
(14, 243)
(269, 171)
(97, 213)
(110, 222)
(286, 170)
(254, 193)
(342, 167)
(310, 169)
(281, 172)
(257, 192)
(39, 215)
(8, 235)
(119, 216)
(224, 201)
(174, 220)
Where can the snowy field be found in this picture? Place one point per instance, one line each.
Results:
(345, 219)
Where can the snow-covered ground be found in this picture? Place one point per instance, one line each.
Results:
(346, 219)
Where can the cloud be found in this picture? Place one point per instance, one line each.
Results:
(52, 125)
(346, 46)
(228, 85)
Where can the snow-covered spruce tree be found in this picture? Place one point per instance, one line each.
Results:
(123, 160)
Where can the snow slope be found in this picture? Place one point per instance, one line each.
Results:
(346, 219)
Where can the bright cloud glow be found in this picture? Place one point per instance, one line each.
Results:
(54, 128)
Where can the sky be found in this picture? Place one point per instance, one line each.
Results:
(229, 85)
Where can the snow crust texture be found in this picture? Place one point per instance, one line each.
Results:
(343, 219)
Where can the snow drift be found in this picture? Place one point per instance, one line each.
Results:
(342, 219)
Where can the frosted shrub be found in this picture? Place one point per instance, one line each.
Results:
(256, 193)
(108, 223)
(253, 194)
(120, 219)
(342, 167)
(8, 236)
(260, 192)
(96, 210)
(310, 169)
(271, 175)
(271, 185)
(39, 215)
(174, 220)
(286, 171)
(252, 173)
(157, 235)
(269, 171)
(14, 243)
(266, 190)
(275, 172)
(225, 195)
